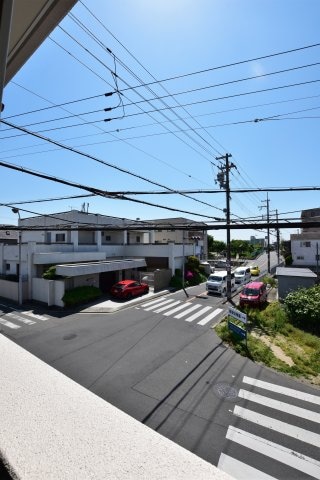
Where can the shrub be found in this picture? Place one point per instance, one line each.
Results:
(303, 308)
(176, 281)
(288, 260)
(268, 280)
(80, 295)
(50, 274)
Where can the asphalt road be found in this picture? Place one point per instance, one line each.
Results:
(170, 371)
(162, 363)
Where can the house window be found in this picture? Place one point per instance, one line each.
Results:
(60, 237)
(300, 257)
(7, 267)
(108, 238)
(137, 239)
(305, 244)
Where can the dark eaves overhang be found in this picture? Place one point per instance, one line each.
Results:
(24, 25)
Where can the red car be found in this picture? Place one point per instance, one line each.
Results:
(129, 289)
(254, 294)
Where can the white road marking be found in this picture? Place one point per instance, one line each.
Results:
(159, 304)
(240, 470)
(183, 314)
(197, 314)
(167, 306)
(20, 319)
(174, 310)
(210, 316)
(34, 315)
(275, 451)
(307, 397)
(278, 426)
(8, 324)
(282, 406)
(158, 300)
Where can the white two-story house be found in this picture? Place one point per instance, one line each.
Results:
(94, 249)
(305, 246)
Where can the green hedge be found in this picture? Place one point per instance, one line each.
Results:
(80, 295)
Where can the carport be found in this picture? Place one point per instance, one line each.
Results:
(104, 271)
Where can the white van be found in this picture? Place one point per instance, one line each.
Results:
(242, 275)
(217, 282)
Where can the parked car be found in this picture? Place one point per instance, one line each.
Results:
(242, 275)
(128, 289)
(255, 270)
(217, 282)
(254, 294)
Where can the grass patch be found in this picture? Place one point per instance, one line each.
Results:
(272, 325)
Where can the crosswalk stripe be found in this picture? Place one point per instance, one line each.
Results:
(278, 426)
(191, 309)
(20, 319)
(174, 310)
(158, 304)
(277, 452)
(8, 324)
(197, 314)
(158, 300)
(210, 316)
(283, 390)
(167, 306)
(282, 406)
(240, 470)
(34, 315)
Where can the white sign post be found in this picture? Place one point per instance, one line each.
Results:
(233, 312)
(242, 317)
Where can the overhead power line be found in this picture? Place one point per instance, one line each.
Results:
(96, 159)
(169, 95)
(96, 191)
(167, 225)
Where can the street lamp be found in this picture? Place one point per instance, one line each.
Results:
(17, 211)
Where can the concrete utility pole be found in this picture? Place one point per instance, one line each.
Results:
(224, 182)
(268, 229)
(278, 238)
(17, 211)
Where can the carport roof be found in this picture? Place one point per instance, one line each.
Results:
(295, 272)
(89, 268)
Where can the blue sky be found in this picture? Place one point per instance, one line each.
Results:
(197, 55)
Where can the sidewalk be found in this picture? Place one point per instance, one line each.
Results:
(113, 305)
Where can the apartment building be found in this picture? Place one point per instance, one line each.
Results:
(93, 249)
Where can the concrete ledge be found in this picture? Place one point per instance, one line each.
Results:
(52, 428)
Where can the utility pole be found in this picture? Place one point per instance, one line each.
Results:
(268, 229)
(17, 211)
(224, 182)
(278, 238)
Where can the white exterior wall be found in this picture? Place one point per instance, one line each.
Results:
(48, 291)
(70, 257)
(303, 255)
(91, 280)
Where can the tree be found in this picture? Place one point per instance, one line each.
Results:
(240, 247)
(216, 246)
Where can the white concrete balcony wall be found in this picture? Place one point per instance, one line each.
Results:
(55, 429)
(59, 257)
